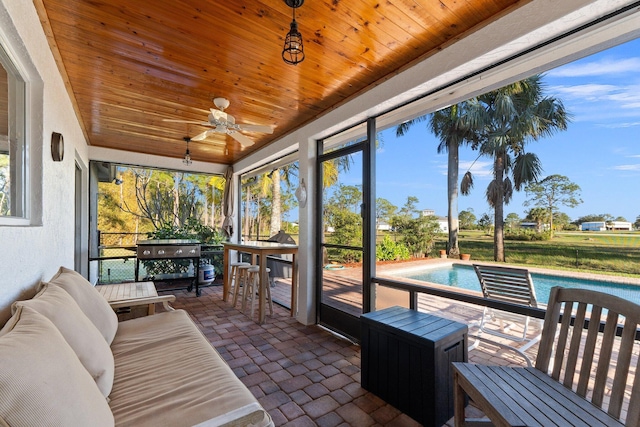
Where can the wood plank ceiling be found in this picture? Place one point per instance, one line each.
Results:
(129, 65)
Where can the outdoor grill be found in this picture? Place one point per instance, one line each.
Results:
(168, 249)
(165, 249)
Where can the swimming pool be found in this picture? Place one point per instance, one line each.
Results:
(463, 276)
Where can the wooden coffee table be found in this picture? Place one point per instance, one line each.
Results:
(133, 294)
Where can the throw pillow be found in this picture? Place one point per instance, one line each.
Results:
(80, 333)
(42, 382)
(92, 304)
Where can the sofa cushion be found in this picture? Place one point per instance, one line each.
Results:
(76, 328)
(92, 304)
(42, 382)
(167, 373)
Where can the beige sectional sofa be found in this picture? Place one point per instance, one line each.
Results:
(66, 360)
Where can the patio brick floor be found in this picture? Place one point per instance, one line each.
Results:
(306, 376)
(303, 375)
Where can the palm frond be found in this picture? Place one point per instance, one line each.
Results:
(508, 190)
(527, 168)
(404, 127)
(466, 184)
(492, 193)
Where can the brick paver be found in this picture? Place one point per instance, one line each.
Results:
(302, 375)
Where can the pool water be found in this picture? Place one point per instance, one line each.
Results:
(463, 276)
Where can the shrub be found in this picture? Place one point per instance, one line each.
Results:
(388, 250)
(417, 234)
(525, 235)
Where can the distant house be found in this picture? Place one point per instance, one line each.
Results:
(603, 226)
(443, 221)
(620, 225)
(528, 225)
(383, 226)
(593, 226)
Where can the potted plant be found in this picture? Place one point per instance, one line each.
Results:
(465, 257)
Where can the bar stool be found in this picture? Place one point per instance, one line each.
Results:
(254, 284)
(239, 279)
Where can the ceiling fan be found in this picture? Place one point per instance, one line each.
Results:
(222, 122)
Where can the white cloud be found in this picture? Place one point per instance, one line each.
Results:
(635, 167)
(613, 105)
(623, 125)
(480, 169)
(603, 67)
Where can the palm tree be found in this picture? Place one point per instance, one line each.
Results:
(451, 126)
(506, 120)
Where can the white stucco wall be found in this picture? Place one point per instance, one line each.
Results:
(33, 253)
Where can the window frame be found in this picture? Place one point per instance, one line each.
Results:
(30, 123)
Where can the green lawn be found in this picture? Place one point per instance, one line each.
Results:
(602, 252)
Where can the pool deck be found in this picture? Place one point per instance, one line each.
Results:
(343, 289)
(389, 270)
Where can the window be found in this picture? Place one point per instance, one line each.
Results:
(13, 170)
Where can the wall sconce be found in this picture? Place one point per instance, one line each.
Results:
(293, 51)
(301, 194)
(57, 147)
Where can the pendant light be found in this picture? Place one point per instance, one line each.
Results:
(187, 157)
(293, 51)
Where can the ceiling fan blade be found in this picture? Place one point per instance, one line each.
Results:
(243, 140)
(201, 136)
(187, 121)
(256, 128)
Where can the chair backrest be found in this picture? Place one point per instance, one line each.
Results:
(507, 284)
(593, 363)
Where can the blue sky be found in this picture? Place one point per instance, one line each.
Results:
(600, 151)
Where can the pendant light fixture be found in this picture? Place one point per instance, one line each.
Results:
(187, 157)
(293, 52)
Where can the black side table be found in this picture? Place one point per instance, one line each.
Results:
(406, 360)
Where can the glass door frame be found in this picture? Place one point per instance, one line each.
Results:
(326, 315)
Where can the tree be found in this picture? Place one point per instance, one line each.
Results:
(538, 215)
(550, 193)
(512, 220)
(343, 216)
(505, 121)
(384, 211)
(467, 219)
(453, 130)
(621, 219)
(485, 222)
(561, 220)
(637, 223)
(417, 233)
(409, 208)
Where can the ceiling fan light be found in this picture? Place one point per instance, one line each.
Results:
(221, 103)
(293, 51)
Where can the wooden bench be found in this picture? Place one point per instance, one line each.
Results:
(561, 390)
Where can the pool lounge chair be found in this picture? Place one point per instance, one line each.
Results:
(513, 285)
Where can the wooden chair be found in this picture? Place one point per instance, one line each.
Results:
(513, 285)
(561, 390)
